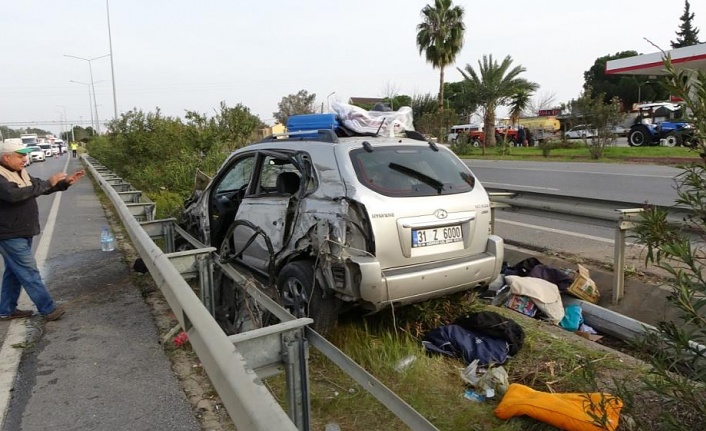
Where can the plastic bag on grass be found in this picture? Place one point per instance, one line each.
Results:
(489, 382)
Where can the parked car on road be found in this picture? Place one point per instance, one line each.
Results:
(619, 130)
(365, 222)
(55, 150)
(581, 131)
(37, 154)
(61, 144)
(47, 149)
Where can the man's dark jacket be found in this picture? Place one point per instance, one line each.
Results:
(19, 213)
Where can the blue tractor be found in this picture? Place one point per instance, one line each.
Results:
(661, 124)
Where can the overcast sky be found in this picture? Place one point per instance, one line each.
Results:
(181, 55)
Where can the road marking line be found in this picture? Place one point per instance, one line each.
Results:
(495, 168)
(17, 332)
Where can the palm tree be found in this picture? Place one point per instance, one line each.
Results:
(494, 85)
(518, 103)
(440, 37)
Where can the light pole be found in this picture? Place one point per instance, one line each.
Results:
(63, 120)
(91, 100)
(90, 70)
(639, 91)
(112, 69)
(328, 100)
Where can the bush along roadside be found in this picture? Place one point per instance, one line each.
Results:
(677, 349)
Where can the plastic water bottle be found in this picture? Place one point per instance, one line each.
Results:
(107, 241)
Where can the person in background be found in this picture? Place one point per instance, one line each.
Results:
(74, 148)
(521, 138)
(19, 223)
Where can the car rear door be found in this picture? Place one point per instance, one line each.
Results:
(264, 220)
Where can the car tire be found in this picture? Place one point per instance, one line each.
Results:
(226, 298)
(476, 143)
(638, 137)
(302, 295)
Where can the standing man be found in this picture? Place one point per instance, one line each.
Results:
(74, 147)
(19, 222)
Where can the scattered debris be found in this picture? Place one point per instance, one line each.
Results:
(181, 339)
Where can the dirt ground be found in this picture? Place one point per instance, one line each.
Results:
(205, 403)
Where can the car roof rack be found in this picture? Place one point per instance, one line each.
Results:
(322, 135)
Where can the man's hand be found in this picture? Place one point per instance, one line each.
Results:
(75, 177)
(69, 179)
(54, 179)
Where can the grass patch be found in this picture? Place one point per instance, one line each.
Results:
(551, 360)
(575, 151)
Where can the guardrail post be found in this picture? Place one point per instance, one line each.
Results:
(624, 223)
(206, 284)
(495, 204)
(296, 357)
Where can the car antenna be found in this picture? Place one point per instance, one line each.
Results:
(377, 133)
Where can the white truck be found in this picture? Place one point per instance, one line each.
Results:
(29, 138)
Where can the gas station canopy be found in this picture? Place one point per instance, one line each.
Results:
(688, 57)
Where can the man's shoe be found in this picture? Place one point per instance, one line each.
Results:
(18, 314)
(55, 315)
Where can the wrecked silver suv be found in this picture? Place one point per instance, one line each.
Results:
(366, 221)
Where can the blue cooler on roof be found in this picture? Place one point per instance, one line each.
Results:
(306, 122)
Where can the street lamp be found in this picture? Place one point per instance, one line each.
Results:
(328, 100)
(63, 120)
(91, 100)
(639, 91)
(112, 69)
(90, 70)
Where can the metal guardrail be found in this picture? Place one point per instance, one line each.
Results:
(245, 397)
(616, 214)
(236, 364)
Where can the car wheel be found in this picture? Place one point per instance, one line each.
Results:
(302, 296)
(638, 137)
(476, 143)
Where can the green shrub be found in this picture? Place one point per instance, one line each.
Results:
(462, 145)
(548, 146)
(169, 204)
(160, 155)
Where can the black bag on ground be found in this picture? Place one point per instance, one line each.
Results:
(523, 267)
(494, 325)
(554, 275)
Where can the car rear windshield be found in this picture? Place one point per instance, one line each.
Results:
(403, 171)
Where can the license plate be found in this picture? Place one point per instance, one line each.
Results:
(436, 236)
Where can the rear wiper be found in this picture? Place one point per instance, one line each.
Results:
(426, 179)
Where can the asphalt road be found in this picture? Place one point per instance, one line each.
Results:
(101, 367)
(627, 183)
